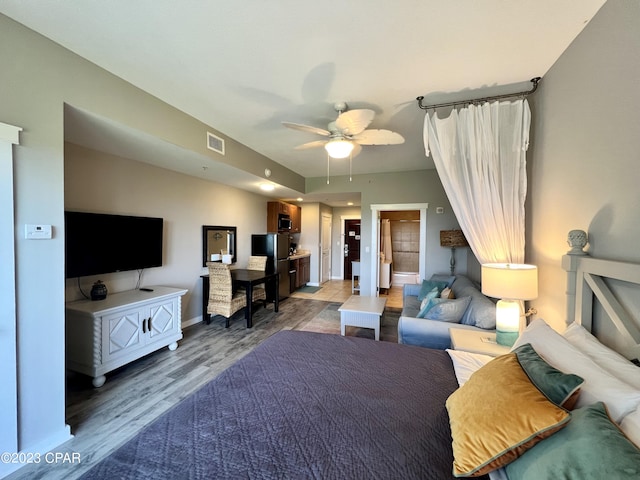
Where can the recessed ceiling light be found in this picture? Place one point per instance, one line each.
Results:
(267, 187)
(349, 203)
(299, 199)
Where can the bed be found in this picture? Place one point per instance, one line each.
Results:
(311, 405)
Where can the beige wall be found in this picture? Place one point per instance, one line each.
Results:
(584, 163)
(102, 183)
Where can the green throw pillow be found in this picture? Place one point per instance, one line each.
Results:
(559, 387)
(590, 447)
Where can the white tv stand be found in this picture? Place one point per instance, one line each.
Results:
(103, 335)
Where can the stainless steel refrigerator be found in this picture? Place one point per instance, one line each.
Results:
(276, 247)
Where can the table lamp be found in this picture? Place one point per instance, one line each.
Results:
(512, 283)
(452, 239)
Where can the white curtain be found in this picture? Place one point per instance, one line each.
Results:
(480, 154)
(385, 243)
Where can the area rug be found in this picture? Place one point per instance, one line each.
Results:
(328, 321)
(308, 289)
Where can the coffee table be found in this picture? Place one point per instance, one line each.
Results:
(364, 312)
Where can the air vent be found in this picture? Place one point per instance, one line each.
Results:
(215, 143)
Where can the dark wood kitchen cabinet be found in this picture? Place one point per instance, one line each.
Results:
(282, 208)
(295, 213)
(304, 270)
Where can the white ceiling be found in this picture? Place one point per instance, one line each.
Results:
(244, 66)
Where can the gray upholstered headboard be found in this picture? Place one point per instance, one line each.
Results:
(596, 297)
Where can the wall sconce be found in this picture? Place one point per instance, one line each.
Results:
(512, 283)
(453, 239)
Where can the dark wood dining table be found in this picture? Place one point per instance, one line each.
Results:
(242, 277)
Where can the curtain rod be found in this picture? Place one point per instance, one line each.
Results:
(534, 81)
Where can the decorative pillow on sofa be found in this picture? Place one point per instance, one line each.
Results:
(447, 293)
(591, 447)
(446, 310)
(428, 286)
(497, 415)
(426, 302)
(559, 387)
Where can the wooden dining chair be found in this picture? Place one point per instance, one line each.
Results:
(222, 300)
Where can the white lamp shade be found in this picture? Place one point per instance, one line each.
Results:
(338, 148)
(510, 281)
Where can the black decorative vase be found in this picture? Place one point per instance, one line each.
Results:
(98, 291)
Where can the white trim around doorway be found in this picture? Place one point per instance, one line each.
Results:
(375, 215)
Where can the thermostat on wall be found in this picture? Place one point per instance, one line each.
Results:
(37, 232)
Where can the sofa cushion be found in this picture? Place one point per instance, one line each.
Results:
(410, 306)
(429, 285)
(443, 277)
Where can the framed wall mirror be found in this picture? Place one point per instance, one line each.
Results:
(215, 241)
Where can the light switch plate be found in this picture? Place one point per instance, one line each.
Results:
(37, 232)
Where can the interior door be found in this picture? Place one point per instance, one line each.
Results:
(325, 247)
(351, 245)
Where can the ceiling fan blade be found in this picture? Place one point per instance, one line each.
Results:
(308, 145)
(378, 137)
(307, 128)
(353, 122)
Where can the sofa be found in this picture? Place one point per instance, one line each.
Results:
(465, 308)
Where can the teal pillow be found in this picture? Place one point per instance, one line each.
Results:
(559, 387)
(428, 286)
(446, 310)
(590, 447)
(426, 302)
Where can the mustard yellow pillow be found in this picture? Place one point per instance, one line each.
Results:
(497, 415)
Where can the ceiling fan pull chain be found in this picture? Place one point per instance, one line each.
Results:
(327, 168)
(350, 159)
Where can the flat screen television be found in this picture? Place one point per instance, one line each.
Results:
(98, 243)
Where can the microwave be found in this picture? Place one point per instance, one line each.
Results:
(284, 222)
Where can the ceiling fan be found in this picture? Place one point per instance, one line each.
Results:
(347, 133)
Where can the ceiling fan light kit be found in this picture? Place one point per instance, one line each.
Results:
(338, 148)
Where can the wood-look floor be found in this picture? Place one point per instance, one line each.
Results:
(101, 419)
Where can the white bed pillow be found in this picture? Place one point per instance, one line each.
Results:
(465, 363)
(631, 427)
(619, 397)
(610, 360)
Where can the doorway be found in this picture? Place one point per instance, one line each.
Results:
(376, 214)
(351, 245)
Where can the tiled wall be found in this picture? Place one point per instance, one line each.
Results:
(405, 241)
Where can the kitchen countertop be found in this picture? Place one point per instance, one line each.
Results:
(299, 255)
